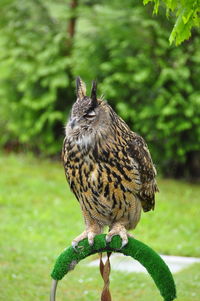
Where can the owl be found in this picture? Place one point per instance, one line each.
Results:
(108, 168)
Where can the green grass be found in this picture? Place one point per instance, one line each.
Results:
(40, 217)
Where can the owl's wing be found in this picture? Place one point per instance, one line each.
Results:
(64, 149)
(138, 150)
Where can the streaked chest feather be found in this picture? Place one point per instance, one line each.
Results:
(100, 172)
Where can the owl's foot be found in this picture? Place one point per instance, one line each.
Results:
(76, 240)
(118, 229)
(90, 233)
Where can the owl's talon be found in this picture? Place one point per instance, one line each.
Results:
(91, 242)
(124, 242)
(76, 241)
(75, 245)
(118, 229)
(89, 234)
(108, 238)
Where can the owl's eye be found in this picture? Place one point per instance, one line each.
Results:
(90, 114)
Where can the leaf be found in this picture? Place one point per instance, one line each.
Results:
(187, 13)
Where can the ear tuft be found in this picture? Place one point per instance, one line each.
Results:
(80, 88)
(94, 92)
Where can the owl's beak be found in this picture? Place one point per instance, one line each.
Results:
(72, 123)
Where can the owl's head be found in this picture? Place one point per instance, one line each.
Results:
(89, 114)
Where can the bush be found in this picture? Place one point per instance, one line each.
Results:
(34, 76)
(153, 86)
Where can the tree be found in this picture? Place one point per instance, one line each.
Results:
(187, 16)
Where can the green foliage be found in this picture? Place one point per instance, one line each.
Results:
(187, 17)
(33, 74)
(153, 86)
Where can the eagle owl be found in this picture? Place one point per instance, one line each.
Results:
(108, 168)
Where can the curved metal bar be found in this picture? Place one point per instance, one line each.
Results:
(53, 290)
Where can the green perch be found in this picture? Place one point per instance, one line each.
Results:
(153, 263)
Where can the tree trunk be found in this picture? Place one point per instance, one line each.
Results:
(193, 165)
(71, 27)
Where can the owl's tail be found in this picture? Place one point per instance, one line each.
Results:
(105, 273)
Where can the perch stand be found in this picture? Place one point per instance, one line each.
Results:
(153, 263)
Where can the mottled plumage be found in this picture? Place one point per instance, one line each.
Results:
(108, 167)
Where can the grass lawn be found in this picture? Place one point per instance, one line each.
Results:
(40, 217)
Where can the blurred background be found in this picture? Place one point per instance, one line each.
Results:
(153, 86)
